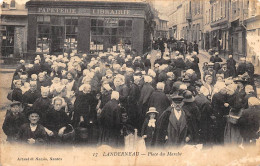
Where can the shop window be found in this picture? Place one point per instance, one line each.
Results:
(56, 34)
(71, 30)
(110, 34)
(8, 41)
(43, 34)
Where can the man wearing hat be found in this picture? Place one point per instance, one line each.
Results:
(224, 70)
(241, 68)
(14, 119)
(192, 116)
(231, 65)
(171, 129)
(32, 133)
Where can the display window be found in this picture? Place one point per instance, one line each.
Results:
(8, 41)
(56, 34)
(110, 34)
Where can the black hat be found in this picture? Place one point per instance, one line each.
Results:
(188, 97)
(176, 98)
(33, 111)
(238, 79)
(15, 103)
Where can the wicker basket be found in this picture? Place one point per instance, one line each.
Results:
(69, 134)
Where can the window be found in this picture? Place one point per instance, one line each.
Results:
(71, 31)
(12, 4)
(7, 41)
(43, 34)
(110, 34)
(56, 34)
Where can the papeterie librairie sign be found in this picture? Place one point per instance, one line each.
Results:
(88, 11)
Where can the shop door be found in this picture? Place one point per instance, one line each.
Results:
(57, 38)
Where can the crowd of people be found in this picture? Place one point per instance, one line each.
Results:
(99, 100)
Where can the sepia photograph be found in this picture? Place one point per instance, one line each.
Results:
(130, 82)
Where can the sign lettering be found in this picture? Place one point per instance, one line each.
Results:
(114, 12)
(57, 10)
(110, 12)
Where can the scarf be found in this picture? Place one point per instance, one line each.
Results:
(151, 123)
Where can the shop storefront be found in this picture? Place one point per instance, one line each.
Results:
(87, 27)
(13, 33)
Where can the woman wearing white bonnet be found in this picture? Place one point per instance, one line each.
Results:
(207, 88)
(249, 122)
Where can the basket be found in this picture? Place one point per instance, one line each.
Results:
(69, 134)
(82, 132)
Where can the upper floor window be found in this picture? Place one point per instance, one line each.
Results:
(12, 4)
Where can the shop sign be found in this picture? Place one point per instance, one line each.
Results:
(87, 11)
(110, 12)
(91, 11)
(111, 22)
(57, 10)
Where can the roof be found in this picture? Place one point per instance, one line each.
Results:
(94, 3)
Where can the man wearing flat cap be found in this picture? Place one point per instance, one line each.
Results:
(14, 119)
(171, 128)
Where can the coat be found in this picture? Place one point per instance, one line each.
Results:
(39, 134)
(85, 105)
(17, 95)
(167, 126)
(226, 73)
(241, 68)
(55, 120)
(192, 117)
(160, 101)
(132, 110)
(110, 119)
(205, 122)
(149, 131)
(12, 124)
(231, 65)
(105, 97)
(146, 92)
(249, 123)
(42, 105)
(219, 111)
(30, 97)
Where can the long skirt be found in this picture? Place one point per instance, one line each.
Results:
(232, 134)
